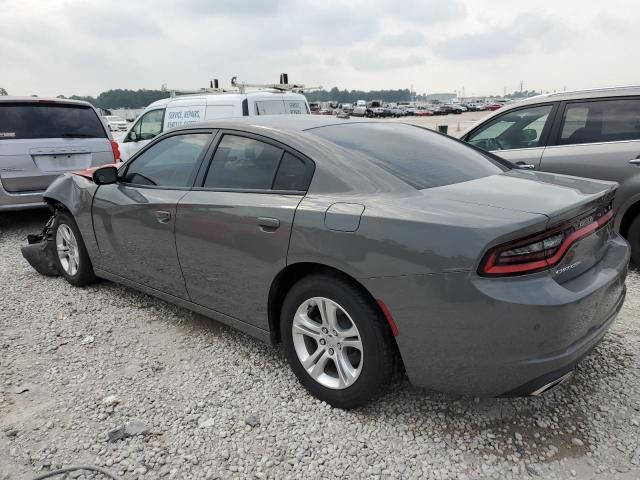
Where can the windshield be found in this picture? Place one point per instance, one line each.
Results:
(48, 120)
(421, 158)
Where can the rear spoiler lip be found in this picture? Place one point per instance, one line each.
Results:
(88, 172)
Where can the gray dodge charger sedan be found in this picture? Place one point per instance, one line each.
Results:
(363, 247)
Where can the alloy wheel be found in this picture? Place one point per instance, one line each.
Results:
(67, 248)
(327, 343)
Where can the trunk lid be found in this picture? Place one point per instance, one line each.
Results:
(578, 207)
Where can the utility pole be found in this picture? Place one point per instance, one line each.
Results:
(521, 86)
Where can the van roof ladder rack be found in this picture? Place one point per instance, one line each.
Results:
(236, 87)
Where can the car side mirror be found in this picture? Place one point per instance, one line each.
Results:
(105, 175)
(133, 136)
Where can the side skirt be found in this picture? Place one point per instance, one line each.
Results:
(260, 334)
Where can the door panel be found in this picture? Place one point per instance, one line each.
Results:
(602, 161)
(134, 229)
(231, 245)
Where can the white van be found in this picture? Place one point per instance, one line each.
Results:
(180, 110)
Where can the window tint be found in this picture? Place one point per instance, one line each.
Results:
(42, 120)
(169, 163)
(519, 129)
(293, 174)
(421, 158)
(601, 121)
(244, 163)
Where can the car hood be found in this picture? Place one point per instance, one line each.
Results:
(556, 196)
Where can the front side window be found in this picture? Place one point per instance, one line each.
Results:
(243, 163)
(171, 162)
(601, 121)
(149, 126)
(419, 157)
(521, 128)
(25, 120)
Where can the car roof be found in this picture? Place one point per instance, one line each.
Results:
(62, 101)
(280, 123)
(580, 94)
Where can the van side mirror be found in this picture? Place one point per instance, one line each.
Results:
(133, 136)
(105, 175)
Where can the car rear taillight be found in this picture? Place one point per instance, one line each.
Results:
(116, 151)
(542, 251)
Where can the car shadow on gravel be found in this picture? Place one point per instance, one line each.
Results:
(560, 424)
(34, 218)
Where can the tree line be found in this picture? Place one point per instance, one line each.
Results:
(123, 98)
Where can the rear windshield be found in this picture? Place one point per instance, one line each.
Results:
(421, 158)
(41, 120)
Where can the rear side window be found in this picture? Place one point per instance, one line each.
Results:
(243, 163)
(293, 174)
(601, 121)
(421, 158)
(281, 107)
(22, 120)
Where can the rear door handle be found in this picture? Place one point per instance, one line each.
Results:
(163, 216)
(635, 161)
(268, 223)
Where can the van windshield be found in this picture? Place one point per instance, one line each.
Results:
(20, 120)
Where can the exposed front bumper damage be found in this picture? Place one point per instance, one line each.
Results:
(40, 250)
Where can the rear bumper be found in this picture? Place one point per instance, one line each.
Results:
(464, 334)
(20, 201)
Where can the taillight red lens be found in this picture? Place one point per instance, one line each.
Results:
(116, 151)
(541, 251)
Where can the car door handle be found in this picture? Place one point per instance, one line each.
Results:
(163, 216)
(526, 165)
(635, 161)
(268, 224)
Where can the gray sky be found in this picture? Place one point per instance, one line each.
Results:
(84, 47)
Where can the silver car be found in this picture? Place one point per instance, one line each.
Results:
(41, 138)
(361, 246)
(589, 133)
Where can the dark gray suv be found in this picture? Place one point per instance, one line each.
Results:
(589, 133)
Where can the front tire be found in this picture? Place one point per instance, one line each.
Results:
(70, 253)
(336, 341)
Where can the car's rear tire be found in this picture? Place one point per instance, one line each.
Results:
(349, 357)
(69, 251)
(633, 237)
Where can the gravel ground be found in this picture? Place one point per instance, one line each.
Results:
(80, 368)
